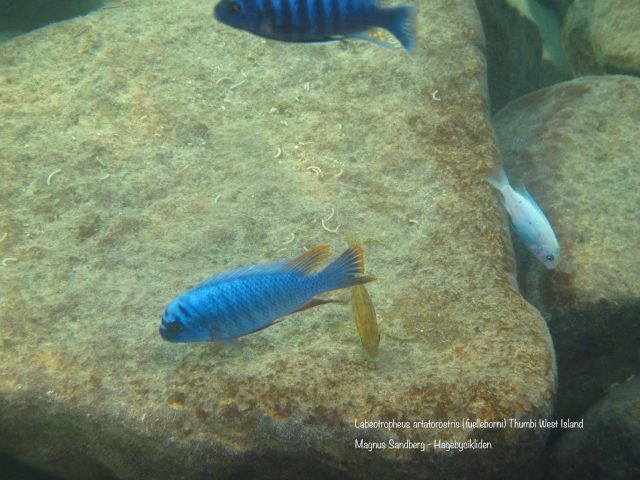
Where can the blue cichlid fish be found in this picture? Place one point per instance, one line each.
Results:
(529, 221)
(243, 301)
(318, 20)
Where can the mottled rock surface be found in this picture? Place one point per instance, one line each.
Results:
(575, 146)
(602, 36)
(608, 445)
(146, 147)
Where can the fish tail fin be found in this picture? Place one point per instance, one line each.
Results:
(345, 270)
(401, 21)
(498, 178)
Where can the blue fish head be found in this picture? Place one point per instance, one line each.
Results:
(177, 327)
(241, 14)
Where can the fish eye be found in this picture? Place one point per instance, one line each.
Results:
(550, 257)
(234, 7)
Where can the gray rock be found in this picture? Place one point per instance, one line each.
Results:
(28, 15)
(524, 49)
(602, 36)
(608, 445)
(559, 6)
(147, 147)
(575, 146)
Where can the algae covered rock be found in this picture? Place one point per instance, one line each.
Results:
(575, 146)
(602, 36)
(161, 147)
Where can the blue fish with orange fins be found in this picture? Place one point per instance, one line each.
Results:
(318, 20)
(243, 301)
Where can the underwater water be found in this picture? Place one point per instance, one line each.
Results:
(232, 248)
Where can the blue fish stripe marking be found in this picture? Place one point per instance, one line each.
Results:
(277, 13)
(187, 308)
(328, 15)
(184, 311)
(343, 9)
(336, 21)
(319, 17)
(293, 4)
(285, 17)
(357, 12)
(309, 23)
(269, 11)
(300, 13)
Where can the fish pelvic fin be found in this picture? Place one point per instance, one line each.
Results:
(308, 260)
(364, 314)
(345, 270)
(314, 302)
(370, 38)
(401, 21)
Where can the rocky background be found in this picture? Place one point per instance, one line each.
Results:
(145, 147)
(576, 147)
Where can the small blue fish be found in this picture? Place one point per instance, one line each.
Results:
(248, 299)
(318, 20)
(529, 221)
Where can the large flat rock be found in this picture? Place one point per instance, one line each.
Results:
(146, 147)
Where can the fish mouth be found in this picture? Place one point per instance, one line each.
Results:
(217, 12)
(164, 333)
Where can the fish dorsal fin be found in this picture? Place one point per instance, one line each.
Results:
(303, 263)
(309, 260)
(242, 272)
